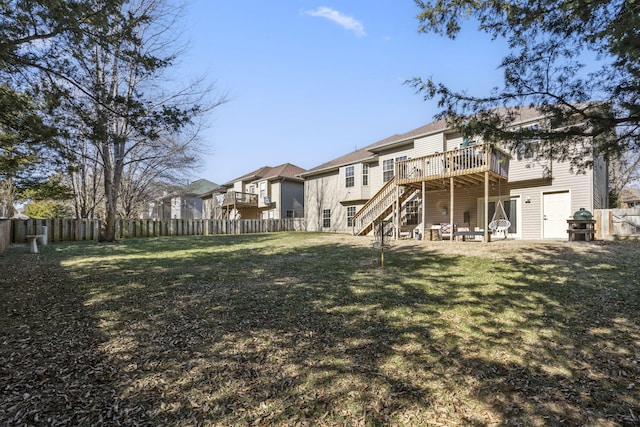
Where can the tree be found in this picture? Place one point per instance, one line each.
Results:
(624, 171)
(30, 33)
(98, 64)
(26, 142)
(592, 111)
(116, 105)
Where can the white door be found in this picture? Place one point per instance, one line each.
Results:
(556, 210)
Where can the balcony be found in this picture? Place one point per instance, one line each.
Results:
(467, 166)
(238, 200)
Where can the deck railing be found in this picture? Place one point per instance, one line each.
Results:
(462, 161)
(240, 199)
(375, 206)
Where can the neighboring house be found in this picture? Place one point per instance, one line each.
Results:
(431, 175)
(184, 203)
(631, 198)
(267, 193)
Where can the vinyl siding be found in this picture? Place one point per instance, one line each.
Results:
(453, 141)
(526, 170)
(429, 145)
(325, 192)
(600, 184)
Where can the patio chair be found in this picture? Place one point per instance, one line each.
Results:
(446, 231)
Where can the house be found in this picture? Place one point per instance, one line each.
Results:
(267, 193)
(183, 203)
(432, 175)
(631, 198)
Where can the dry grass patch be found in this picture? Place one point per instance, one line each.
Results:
(306, 329)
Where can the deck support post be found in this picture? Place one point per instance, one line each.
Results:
(451, 208)
(398, 214)
(424, 209)
(485, 226)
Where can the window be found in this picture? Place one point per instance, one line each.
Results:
(387, 170)
(387, 167)
(365, 174)
(527, 147)
(412, 213)
(350, 175)
(351, 211)
(291, 213)
(326, 218)
(263, 190)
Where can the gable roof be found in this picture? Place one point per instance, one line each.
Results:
(371, 151)
(286, 170)
(195, 188)
(631, 194)
(522, 114)
(199, 186)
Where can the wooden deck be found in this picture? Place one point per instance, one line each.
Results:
(463, 167)
(236, 199)
(467, 166)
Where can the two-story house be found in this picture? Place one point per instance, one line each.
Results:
(183, 203)
(266, 193)
(432, 175)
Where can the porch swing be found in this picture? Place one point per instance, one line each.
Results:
(500, 221)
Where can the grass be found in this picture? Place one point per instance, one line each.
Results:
(307, 329)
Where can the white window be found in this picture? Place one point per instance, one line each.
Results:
(387, 167)
(326, 218)
(387, 170)
(365, 174)
(528, 147)
(349, 173)
(263, 190)
(351, 211)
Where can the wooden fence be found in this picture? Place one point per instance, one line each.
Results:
(64, 230)
(617, 224)
(5, 234)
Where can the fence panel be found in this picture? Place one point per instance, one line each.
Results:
(63, 230)
(5, 234)
(614, 224)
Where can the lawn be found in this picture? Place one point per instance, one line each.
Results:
(307, 329)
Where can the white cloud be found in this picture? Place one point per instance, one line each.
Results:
(346, 22)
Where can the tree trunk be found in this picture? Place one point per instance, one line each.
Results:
(108, 230)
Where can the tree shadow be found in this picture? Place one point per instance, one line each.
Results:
(266, 330)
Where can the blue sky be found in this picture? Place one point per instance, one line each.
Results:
(308, 81)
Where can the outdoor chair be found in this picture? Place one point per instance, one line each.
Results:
(446, 231)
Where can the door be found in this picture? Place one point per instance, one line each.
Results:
(512, 208)
(556, 209)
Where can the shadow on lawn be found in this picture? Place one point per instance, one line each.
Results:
(271, 334)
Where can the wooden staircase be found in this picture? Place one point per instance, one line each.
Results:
(379, 207)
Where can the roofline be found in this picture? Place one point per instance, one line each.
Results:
(338, 166)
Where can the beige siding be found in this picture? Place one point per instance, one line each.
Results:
(429, 145)
(453, 141)
(600, 184)
(526, 170)
(275, 195)
(325, 192)
(580, 185)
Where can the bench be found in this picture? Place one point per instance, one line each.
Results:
(467, 233)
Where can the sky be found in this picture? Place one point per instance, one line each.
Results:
(307, 81)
